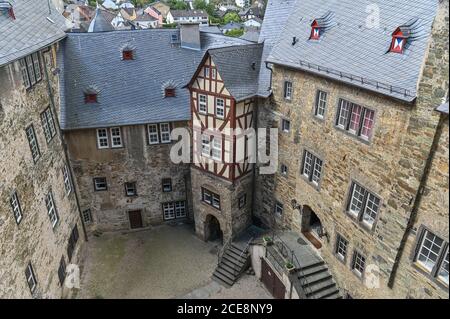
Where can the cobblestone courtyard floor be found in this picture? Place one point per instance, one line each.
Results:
(164, 262)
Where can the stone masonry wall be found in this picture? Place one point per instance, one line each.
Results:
(33, 239)
(136, 162)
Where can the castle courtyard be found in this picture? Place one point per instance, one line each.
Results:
(133, 265)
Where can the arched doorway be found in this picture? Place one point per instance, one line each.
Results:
(213, 232)
(312, 226)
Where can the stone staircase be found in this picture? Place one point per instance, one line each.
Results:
(316, 282)
(232, 263)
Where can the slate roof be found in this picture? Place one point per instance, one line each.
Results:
(31, 30)
(101, 21)
(250, 35)
(355, 53)
(443, 108)
(239, 68)
(130, 92)
(188, 13)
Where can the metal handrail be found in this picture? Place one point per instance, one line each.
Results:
(244, 251)
(221, 252)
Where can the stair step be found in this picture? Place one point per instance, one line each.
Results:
(312, 271)
(229, 264)
(238, 262)
(236, 254)
(223, 278)
(320, 286)
(314, 265)
(226, 273)
(221, 282)
(236, 246)
(229, 269)
(335, 295)
(325, 293)
(316, 278)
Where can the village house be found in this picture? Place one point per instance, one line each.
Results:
(181, 16)
(40, 227)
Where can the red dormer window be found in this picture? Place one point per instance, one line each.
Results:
(169, 92)
(90, 98)
(315, 31)
(398, 41)
(127, 55)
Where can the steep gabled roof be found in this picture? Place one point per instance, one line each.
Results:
(102, 21)
(37, 24)
(354, 51)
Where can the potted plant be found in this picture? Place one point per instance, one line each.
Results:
(290, 267)
(267, 240)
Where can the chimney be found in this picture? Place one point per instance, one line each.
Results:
(190, 35)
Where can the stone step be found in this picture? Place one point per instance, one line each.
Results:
(229, 264)
(335, 295)
(237, 254)
(312, 271)
(313, 265)
(320, 286)
(326, 292)
(238, 262)
(226, 273)
(222, 279)
(315, 278)
(229, 268)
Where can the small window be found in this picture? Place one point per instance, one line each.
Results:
(213, 73)
(100, 184)
(341, 247)
(130, 189)
(220, 108)
(165, 132)
(169, 92)
(288, 90)
(315, 33)
(202, 104)
(51, 209)
(216, 150)
(102, 138)
(278, 209)
(321, 104)
(31, 278)
(62, 271)
(358, 264)
(153, 137)
(285, 125)
(90, 98)
(429, 251)
(32, 141)
(72, 242)
(37, 66)
(24, 73)
(67, 180)
(242, 201)
(30, 65)
(48, 124)
(16, 209)
(284, 169)
(116, 137)
(312, 168)
(87, 216)
(206, 147)
(127, 54)
(206, 74)
(166, 185)
(443, 271)
(363, 205)
(211, 198)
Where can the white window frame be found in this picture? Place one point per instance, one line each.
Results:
(16, 208)
(165, 133)
(24, 72)
(220, 108)
(206, 72)
(359, 261)
(213, 73)
(37, 66)
(347, 115)
(206, 196)
(51, 209)
(48, 124)
(67, 180)
(31, 278)
(130, 189)
(202, 105)
(102, 138)
(426, 252)
(116, 137)
(215, 200)
(312, 168)
(169, 211)
(180, 209)
(206, 145)
(216, 149)
(96, 187)
(153, 134)
(285, 125)
(443, 269)
(287, 90)
(321, 104)
(364, 205)
(341, 247)
(32, 141)
(30, 66)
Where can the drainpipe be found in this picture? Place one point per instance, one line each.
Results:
(417, 200)
(64, 146)
(271, 75)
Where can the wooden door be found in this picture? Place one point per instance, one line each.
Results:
(135, 217)
(271, 281)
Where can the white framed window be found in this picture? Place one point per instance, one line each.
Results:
(367, 125)
(31, 74)
(341, 247)
(443, 271)
(100, 184)
(30, 70)
(213, 73)
(48, 124)
(102, 138)
(429, 251)
(206, 146)
(344, 114)
(220, 107)
(37, 66)
(358, 263)
(87, 216)
(278, 209)
(202, 104)
(31, 278)
(165, 132)
(153, 137)
(321, 104)
(116, 137)
(355, 119)
(312, 168)
(169, 211)
(206, 196)
(32, 141)
(16, 209)
(180, 209)
(206, 72)
(363, 205)
(217, 148)
(288, 90)
(51, 209)
(130, 189)
(67, 180)
(24, 73)
(211, 198)
(215, 200)
(286, 125)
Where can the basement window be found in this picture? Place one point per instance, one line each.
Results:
(127, 55)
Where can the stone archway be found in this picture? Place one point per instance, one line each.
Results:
(213, 231)
(311, 226)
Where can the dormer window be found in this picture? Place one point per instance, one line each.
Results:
(90, 98)
(315, 31)
(169, 92)
(127, 54)
(399, 38)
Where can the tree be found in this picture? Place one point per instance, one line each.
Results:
(177, 4)
(231, 17)
(235, 33)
